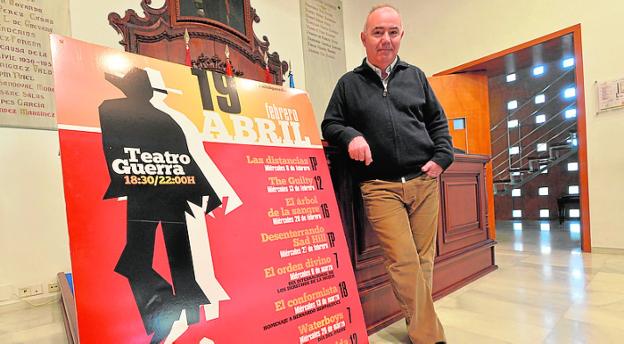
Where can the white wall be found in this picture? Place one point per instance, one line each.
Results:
(89, 19)
(354, 15)
(281, 23)
(446, 33)
(33, 230)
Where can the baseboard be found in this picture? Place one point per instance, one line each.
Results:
(608, 250)
(28, 302)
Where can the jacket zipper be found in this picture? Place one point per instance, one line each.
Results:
(391, 118)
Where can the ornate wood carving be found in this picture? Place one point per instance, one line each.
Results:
(213, 63)
(160, 34)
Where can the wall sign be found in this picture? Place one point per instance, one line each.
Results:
(26, 83)
(610, 95)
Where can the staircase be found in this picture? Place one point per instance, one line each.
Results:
(512, 171)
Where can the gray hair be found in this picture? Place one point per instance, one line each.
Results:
(379, 6)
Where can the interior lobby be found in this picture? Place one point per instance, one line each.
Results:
(550, 246)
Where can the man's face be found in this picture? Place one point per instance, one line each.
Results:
(382, 36)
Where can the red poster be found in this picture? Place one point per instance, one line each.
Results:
(200, 207)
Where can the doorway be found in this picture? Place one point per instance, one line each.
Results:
(537, 127)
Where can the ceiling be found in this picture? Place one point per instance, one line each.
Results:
(545, 52)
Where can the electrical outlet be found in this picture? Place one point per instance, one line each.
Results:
(53, 287)
(36, 289)
(24, 292)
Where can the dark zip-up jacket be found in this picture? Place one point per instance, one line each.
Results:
(404, 125)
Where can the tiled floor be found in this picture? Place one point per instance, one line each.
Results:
(545, 291)
(33, 325)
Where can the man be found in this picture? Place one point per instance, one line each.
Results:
(386, 116)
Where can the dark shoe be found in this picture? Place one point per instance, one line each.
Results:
(162, 322)
(191, 299)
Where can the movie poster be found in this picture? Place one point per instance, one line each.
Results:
(200, 207)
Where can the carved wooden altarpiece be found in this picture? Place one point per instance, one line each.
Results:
(160, 34)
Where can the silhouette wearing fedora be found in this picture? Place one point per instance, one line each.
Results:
(134, 123)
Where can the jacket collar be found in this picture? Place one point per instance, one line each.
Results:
(365, 68)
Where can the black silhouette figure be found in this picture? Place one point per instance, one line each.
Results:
(134, 123)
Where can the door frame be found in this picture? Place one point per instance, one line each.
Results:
(575, 30)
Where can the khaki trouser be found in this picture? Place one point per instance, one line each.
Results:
(405, 218)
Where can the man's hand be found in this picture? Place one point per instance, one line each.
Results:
(432, 169)
(359, 150)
